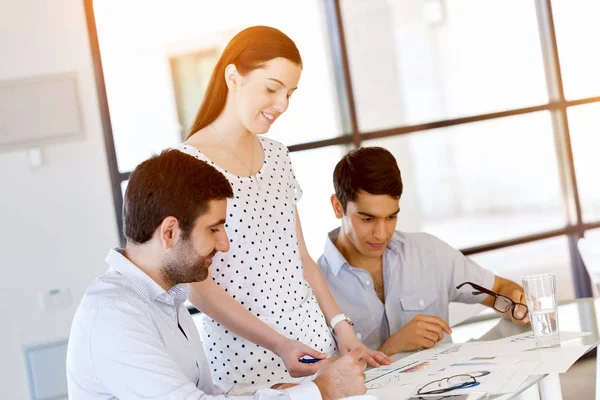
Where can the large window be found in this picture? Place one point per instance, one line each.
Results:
(585, 133)
(498, 158)
(577, 32)
(415, 61)
(482, 182)
(550, 255)
(156, 73)
(316, 180)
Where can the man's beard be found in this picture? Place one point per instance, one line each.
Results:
(186, 266)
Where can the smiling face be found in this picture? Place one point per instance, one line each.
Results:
(190, 258)
(262, 95)
(369, 222)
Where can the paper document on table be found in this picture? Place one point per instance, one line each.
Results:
(415, 368)
(509, 345)
(492, 371)
(469, 359)
(555, 360)
(401, 377)
(393, 392)
(432, 361)
(493, 379)
(519, 378)
(397, 366)
(515, 344)
(526, 341)
(443, 353)
(490, 352)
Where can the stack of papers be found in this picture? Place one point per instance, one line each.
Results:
(499, 366)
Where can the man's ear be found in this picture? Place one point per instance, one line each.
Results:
(169, 232)
(232, 77)
(337, 206)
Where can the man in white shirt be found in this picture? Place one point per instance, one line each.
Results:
(132, 336)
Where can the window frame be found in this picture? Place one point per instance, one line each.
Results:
(353, 136)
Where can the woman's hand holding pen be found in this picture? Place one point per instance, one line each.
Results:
(291, 351)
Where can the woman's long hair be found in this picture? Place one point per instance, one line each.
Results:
(248, 50)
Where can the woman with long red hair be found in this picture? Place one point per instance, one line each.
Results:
(267, 304)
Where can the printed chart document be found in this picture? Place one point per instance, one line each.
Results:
(393, 392)
(397, 366)
(493, 374)
(498, 366)
(492, 378)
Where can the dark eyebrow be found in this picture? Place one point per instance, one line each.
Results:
(365, 214)
(220, 222)
(373, 216)
(394, 213)
(281, 83)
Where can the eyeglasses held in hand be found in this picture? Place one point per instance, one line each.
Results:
(445, 385)
(501, 303)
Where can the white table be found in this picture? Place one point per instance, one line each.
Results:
(581, 315)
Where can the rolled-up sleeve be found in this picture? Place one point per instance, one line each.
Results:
(463, 269)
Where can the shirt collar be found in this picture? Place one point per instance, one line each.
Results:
(397, 241)
(144, 284)
(335, 259)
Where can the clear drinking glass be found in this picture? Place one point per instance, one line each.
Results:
(540, 292)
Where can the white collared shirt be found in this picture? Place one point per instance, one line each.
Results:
(126, 343)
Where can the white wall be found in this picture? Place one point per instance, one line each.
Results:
(58, 220)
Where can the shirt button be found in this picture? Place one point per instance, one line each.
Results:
(368, 283)
(421, 302)
(358, 335)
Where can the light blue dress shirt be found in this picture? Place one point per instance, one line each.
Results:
(420, 275)
(126, 343)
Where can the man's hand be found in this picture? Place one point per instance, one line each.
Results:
(517, 295)
(291, 351)
(343, 377)
(510, 289)
(347, 341)
(423, 331)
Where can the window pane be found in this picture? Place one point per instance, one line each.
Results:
(481, 182)
(584, 123)
(516, 262)
(593, 234)
(316, 180)
(414, 61)
(592, 261)
(156, 73)
(577, 33)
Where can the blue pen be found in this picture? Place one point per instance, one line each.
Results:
(309, 360)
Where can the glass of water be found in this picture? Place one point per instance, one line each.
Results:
(540, 292)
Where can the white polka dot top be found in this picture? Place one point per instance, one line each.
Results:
(263, 271)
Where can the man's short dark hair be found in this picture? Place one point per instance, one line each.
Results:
(171, 183)
(373, 170)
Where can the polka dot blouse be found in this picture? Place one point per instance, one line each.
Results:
(263, 271)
